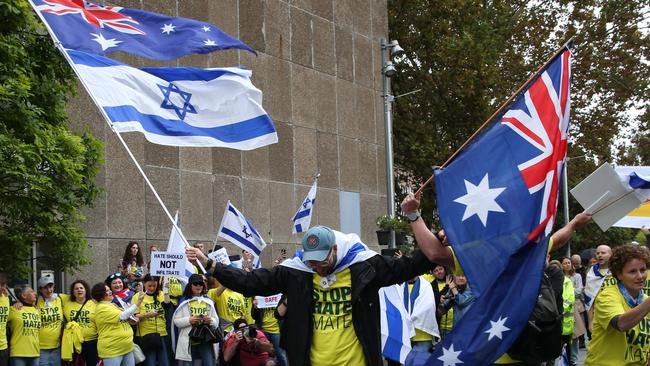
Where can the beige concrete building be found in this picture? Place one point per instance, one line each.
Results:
(319, 67)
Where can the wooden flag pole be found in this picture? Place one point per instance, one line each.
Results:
(501, 108)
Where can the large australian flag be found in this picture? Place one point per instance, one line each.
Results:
(85, 26)
(497, 202)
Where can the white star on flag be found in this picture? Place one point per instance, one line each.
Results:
(480, 200)
(168, 28)
(449, 356)
(206, 28)
(209, 42)
(105, 43)
(497, 328)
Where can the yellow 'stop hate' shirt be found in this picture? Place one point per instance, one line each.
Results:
(269, 322)
(608, 346)
(115, 335)
(150, 325)
(334, 340)
(51, 320)
(24, 325)
(4, 317)
(230, 304)
(86, 318)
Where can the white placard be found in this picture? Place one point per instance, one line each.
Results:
(603, 194)
(220, 256)
(264, 302)
(167, 264)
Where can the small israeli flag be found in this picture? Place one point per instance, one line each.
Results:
(302, 218)
(396, 325)
(238, 230)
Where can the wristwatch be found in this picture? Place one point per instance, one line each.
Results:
(413, 216)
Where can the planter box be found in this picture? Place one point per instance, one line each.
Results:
(383, 237)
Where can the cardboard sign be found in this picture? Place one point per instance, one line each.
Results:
(603, 194)
(265, 302)
(167, 264)
(220, 256)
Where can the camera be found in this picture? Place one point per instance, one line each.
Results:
(445, 305)
(250, 331)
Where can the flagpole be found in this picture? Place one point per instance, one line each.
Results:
(59, 46)
(500, 109)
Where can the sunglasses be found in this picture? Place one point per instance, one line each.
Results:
(198, 284)
(115, 275)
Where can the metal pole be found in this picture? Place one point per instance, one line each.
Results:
(388, 124)
(565, 188)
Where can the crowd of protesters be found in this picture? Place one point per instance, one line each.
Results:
(327, 313)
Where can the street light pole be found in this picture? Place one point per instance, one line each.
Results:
(388, 125)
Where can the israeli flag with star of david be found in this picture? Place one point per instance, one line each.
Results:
(302, 218)
(237, 229)
(178, 106)
(497, 201)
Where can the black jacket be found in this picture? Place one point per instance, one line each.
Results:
(296, 332)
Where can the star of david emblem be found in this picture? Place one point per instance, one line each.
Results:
(307, 201)
(173, 93)
(245, 231)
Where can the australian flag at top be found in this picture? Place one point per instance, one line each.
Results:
(89, 27)
(497, 201)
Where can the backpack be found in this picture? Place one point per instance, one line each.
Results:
(541, 339)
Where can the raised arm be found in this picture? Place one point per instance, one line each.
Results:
(429, 244)
(563, 235)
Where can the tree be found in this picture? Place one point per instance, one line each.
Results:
(469, 56)
(46, 171)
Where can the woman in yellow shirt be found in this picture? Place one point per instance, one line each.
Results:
(621, 325)
(115, 342)
(25, 324)
(151, 332)
(81, 309)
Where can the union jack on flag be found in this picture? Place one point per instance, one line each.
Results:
(85, 26)
(497, 202)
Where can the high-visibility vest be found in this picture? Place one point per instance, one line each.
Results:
(568, 299)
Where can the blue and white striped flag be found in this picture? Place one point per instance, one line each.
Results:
(176, 245)
(302, 218)
(178, 106)
(396, 325)
(241, 232)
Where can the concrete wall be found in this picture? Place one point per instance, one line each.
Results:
(318, 65)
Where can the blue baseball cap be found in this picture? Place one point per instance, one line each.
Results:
(317, 242)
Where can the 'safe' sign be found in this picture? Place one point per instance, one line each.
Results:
(167, 264)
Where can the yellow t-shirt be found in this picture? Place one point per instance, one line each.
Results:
(86, 319)
(608, 346)
(150, 325)
(115, 335)
(428, 277)
(230, 304)
(51, 321)
(198, 308)
(248, 307)
(334, 340)
(269, 322)
(175, 290)
(24, 325)
(4, 315)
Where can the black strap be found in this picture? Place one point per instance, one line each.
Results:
(76, 317)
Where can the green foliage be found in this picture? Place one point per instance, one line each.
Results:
(46, 171)
(469, 56)
(396, 224)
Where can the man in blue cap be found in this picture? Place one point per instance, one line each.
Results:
(332, 293)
